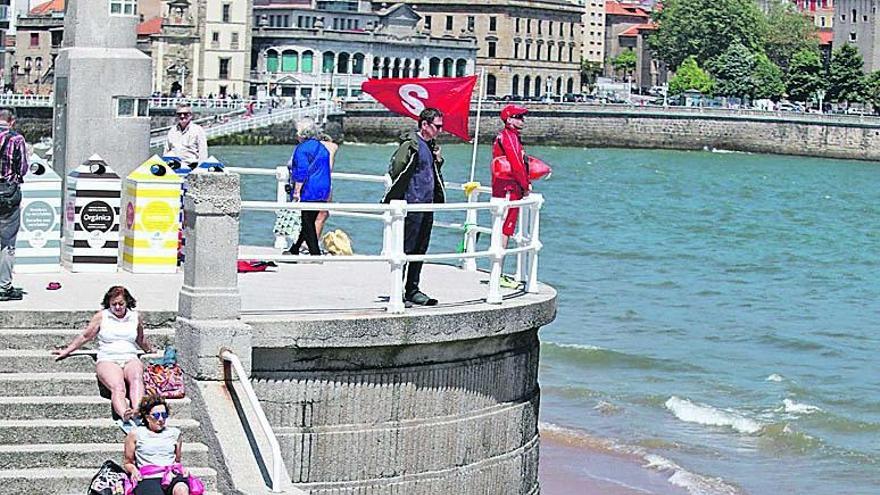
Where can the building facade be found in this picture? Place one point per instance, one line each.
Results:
(328, 51)
(528, 48)
(627, 27)
(224, 28)
(594, 31)
(38, 38)
(856, 23)
(174, 45)
(822, 11)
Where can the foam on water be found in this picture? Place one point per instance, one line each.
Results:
(774, 378)
(703, 414)
(793, 407)
(695, 484)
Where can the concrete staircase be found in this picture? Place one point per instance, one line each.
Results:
(56, 429)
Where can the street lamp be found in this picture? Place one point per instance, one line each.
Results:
(39, 66)
(820, 94)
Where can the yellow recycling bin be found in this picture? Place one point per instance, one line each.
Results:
(151, 212)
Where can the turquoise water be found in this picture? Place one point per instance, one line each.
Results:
(717, 311)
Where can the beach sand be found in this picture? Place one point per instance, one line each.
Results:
(574, 467)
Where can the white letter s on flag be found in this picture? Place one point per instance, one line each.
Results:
(410, 95)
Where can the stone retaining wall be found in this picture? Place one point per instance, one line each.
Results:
(639, 128)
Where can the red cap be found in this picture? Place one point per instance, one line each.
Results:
(512, 111)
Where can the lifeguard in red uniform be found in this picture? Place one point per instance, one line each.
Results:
(509, 145)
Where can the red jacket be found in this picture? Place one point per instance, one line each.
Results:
(508, 144)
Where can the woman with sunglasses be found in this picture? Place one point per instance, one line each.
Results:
(119, 329)
(152, 453)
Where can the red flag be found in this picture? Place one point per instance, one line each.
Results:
(408, 97)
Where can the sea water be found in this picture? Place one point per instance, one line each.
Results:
(718, 312)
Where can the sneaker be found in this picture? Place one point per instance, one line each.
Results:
(508, 282)
(11, 294)
(420, 298)
(126, 426)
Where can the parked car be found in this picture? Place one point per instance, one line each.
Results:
(573, 97)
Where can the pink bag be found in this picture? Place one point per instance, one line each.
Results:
(165, 381)
(196, 487)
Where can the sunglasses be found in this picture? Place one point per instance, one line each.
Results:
(520, 117)
(438, 126)
(159, 415)
(184, 114)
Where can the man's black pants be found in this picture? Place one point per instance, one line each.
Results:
(308, 233)
(416, 236)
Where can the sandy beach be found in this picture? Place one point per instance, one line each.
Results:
(579, 466)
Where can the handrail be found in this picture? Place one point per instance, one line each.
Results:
(392, 216)
(277, 465)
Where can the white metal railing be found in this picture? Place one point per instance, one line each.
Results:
(318, 111)
(392, 217)
(21, 100)
(277, 462)
(170, 102)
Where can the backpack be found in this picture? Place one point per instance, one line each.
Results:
(109, 480)
(10, 192)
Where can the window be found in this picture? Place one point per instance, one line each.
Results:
(132, 107)
(852, 36)
(528, 51)
(329, 63)
(271, 62)
(449, 23)
(215, 37)
(224, 68)
(550, 28)
(516, 50)
(538, 52)
(517, 24)
(226, 9)
(307, 62)
(35, 39)
(865, 18)
(491, 49)
(854, 18)
(427, 22)
(123, 7)
(843, 17)
(470, 23)
(540, 25)
(493, 23)
(528, 25)
(234, 42)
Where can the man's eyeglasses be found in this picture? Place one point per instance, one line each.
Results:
(159, 415)
(183, 114)
(520, 116)
(438, 126)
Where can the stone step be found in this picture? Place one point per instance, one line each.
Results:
(26, 338)
(101, 430)
(72, 480)
(66, 384)
(76, 407)
(43, 361)
(83, 455)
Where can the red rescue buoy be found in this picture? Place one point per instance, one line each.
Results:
(538, 169)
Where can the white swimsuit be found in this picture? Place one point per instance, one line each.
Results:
(117, 336)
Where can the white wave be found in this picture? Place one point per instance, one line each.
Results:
(793, 407)
(774, 378)
(606, 408)
(695, 484)
(703, 414)
(583, 347)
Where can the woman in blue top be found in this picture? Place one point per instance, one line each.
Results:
(310, 173)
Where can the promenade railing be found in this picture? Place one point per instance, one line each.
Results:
(22, 100)
(526, 241)
(318, 111)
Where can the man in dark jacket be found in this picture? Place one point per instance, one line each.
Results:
(416, 178)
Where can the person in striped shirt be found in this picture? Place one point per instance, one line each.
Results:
(13, 167)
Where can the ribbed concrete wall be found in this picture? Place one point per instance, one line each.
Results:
(395, 417)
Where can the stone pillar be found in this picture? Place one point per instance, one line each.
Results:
(209, 309)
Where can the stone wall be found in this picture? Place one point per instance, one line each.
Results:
(843, 137)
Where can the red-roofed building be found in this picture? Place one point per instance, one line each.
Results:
(627, 26)
(48, 8)
(150, 27)
(822, 11)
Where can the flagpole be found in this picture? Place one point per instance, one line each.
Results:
(477, 125)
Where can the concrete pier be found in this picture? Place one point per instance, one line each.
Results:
(433, 401)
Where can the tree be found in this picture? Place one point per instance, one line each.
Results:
(733, 71)
(872, 89)
(589, 72)
(625, 62)
(788, 32)
(767, 78)
(690, 76)
(806, 75)
(846, 81)
(704, 28)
